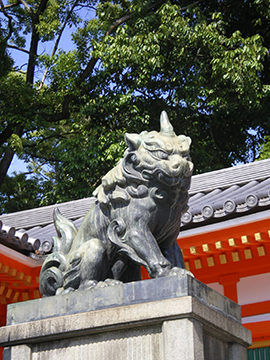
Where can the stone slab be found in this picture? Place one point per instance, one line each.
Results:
(142, 314)
(174, 318)
(121, 295)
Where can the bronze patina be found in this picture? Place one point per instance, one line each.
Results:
(134, 221)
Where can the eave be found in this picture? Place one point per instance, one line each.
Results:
(239, 246)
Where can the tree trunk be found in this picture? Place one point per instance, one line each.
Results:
(5, 163)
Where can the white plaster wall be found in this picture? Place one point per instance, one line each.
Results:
(253, 289)
(256, 318)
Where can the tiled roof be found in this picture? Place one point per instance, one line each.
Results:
(17, 239)
(228, 192)
(38, 225)
(214, 196)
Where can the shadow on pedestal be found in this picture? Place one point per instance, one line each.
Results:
(160, 319)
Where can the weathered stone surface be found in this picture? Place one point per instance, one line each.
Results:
(23, 352)
(183, 339)
(195, 324)
(119, 295)
(142, 343)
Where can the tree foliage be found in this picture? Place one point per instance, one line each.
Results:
(265, 149)
(19, 192)
(65, 112)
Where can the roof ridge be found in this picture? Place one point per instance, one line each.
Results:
(223, 178)
(206, 182)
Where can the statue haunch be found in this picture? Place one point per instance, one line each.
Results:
(134, 221)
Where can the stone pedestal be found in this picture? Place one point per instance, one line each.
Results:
(162, 319)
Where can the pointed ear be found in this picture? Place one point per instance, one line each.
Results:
(189, 140)
(184, 143)
(185, 139)
(133, 141)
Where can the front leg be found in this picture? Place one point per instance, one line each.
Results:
(176, 259)
(173, 253)
(139, 245)
(147, 249)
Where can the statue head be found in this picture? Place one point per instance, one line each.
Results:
(162, 153)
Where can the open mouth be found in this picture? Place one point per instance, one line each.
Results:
(162, 176)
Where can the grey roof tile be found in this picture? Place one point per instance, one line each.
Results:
(224, 178)
(250, 191)
(214, 196)
(44, 215)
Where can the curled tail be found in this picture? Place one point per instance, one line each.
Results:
(51, 274)
(53, 268)
(66, 232)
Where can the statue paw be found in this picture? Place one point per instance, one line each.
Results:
(108, 282)
(62, 291)
(88, 285)
(177, 271)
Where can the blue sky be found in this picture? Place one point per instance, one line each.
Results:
(17, 165)
(20, 61)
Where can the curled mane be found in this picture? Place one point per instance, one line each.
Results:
(151, 160)
(113, 180)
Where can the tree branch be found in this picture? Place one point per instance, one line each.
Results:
(118, 23)
(64, 114)
(115, 25)
(27, 7)
(9, 153)
(8, 6)
(5, 135)
(40, 141)
(41, 8)
(5, 163)
(43, 157)
(18, 48)
(87, 7)
(10, 28)
(34, 43)
(57, 42)
(89, 68)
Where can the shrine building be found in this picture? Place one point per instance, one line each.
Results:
(224, 236)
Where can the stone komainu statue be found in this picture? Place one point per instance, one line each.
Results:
(134, 221)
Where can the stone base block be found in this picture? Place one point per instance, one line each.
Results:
(162, 319)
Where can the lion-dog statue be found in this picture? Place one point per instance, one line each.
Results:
(134, 221)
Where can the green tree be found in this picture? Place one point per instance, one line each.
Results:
(20, 193)
(5, 60)
(206, 63)
(265, 149)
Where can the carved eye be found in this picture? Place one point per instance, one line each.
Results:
(159, 154)
(169, 147)
(133, 158)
